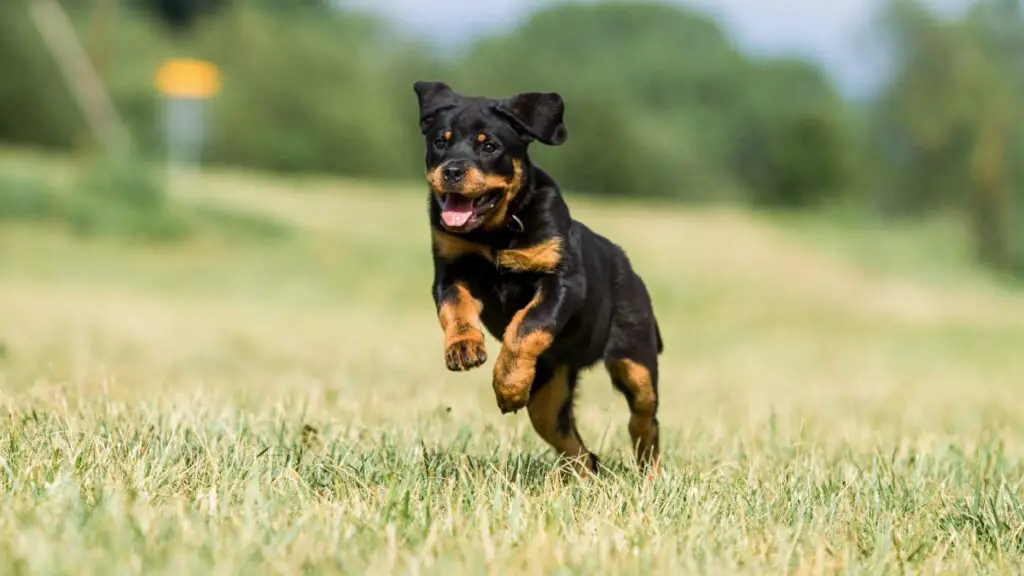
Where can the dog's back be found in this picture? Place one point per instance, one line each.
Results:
(627, 294)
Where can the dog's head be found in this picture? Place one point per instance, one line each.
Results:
(477, 149)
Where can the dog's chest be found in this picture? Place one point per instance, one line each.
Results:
(509, 291)
(504, 294)
(537, 257)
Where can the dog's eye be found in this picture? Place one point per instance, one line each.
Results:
(489, 147)
(443, 138)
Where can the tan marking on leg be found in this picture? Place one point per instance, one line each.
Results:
(643, 423)
(517, 361)
(463, 331)
(545, 414)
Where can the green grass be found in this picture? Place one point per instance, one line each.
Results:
(124, 199)
(230, 404)
(937, 249)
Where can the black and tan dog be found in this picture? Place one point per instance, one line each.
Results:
(509, 258)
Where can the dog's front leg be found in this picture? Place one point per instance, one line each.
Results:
(528, 335)
(459, 314)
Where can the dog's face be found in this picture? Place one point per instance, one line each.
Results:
(476, 149)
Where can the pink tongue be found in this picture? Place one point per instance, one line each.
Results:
(456, 210)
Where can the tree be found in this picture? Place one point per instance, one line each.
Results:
(37, 108)
(663, 104)
(947, 118)
(179, 15)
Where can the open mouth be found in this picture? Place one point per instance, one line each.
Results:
(458, 211)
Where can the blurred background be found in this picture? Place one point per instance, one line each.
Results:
(884, 109)
(218, 346)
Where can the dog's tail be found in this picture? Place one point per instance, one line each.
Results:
(657, 333)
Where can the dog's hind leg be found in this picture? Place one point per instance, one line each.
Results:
(632, 364)
(551, 413)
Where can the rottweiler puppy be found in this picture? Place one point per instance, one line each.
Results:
(510, 259)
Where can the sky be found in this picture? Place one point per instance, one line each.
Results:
(835, 33)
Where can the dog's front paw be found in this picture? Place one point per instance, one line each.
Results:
(465, 353)
(513, 377)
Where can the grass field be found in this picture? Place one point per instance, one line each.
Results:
(834, 398)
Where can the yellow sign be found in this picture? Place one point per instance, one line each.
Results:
(186, 78)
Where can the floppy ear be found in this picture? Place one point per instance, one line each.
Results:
(539, 114)
(433, 97)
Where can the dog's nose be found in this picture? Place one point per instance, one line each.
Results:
(453, 172)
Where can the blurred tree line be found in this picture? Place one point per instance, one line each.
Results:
(945, 132)
(659, 102)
